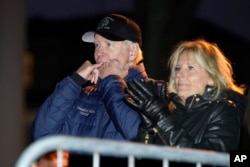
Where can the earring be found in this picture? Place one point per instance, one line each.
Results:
(211, 83)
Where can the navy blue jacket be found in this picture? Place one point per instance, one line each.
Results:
(96, 111)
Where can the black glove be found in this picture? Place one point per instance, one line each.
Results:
(149, 133)
(145, 122)
(157, 86)
(146, 133)
(146, 100)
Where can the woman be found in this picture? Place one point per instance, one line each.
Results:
(204, 107)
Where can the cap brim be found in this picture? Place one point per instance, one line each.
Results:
(88, 36)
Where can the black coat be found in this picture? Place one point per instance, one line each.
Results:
(201, 122)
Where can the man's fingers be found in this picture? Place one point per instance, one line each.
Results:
(86, 69)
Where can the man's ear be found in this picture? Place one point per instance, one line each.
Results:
(133, 52)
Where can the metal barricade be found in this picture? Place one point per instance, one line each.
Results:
(130, 150)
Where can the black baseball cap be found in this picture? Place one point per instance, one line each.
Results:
(116, 27)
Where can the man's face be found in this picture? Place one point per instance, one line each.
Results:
(106, 50)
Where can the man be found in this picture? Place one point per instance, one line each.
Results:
(89, 103)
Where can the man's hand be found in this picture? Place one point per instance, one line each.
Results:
(89, 71)
(112, 67)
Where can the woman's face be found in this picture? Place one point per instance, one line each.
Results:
(190, 77)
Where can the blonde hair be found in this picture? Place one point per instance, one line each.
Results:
(211, 58)
(139, 56)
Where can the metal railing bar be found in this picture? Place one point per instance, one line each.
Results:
(131, 161)
(165, 162)
(198, 164)
(96, 159)
(119, 149)
(60, 157)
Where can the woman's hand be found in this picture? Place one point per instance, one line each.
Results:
(143, 97)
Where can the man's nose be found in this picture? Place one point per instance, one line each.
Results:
(99, 50)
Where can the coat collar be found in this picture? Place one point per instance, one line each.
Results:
(137, 72)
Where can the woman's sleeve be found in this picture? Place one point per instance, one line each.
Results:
(218, 131)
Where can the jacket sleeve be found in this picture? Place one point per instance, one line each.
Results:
(220, 129)
(125, 119)
(52, 113)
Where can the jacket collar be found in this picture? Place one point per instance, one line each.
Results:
(137, 72)
(240, 101)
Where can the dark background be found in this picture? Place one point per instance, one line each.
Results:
(55, 49)
(40, 44)
(54, 31)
